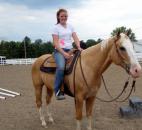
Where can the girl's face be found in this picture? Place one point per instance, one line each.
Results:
(63, 17)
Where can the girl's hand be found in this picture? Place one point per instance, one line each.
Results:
(80, 49)
(67, 55)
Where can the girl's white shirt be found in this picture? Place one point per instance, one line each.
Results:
(64, 34)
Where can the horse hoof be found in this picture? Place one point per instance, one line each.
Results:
(45, 127)
(44, 124)
(78, 129)
(51, 120)
(89, 128)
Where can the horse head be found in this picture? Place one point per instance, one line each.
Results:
(122, 53)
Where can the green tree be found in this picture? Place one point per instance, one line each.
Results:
(98, 41)
(27, 40)
(38, 41)
(91, 42)
(13, 49)
(4, 48)
(50, 47)
(124, 30)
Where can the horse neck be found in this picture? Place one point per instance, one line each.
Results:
(97, 57)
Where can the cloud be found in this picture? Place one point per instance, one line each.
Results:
(98, 18)
(30, 17)
(19, 21)
(38, 4)
(91, 19)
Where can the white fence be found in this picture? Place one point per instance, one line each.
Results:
(2, 60)
(17, 61)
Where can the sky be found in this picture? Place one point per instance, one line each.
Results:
(92, 19)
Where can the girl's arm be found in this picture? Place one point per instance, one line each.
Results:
(76, 40)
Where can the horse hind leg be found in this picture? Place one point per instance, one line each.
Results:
(38, 94)
(48, 102)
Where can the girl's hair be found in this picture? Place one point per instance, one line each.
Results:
(58, 13)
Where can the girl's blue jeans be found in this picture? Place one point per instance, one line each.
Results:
(60, 63)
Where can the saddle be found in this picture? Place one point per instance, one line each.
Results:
(49, 65)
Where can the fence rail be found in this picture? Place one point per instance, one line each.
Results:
(17, 61)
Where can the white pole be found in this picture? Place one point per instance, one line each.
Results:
(12, 92)
(25, 49)
(7, 94)
(1, 97)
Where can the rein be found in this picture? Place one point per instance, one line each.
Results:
(113, 99)
(117, 97)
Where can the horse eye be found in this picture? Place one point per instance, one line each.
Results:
(122, 48)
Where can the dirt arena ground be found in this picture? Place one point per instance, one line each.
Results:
(20, 113)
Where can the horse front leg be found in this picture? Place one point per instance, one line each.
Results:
(89, 110)
(79, 107)
(42, 118)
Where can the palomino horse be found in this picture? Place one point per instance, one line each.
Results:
(95, 60)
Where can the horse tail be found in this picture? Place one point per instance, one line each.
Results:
(37, 78)
(36, 74)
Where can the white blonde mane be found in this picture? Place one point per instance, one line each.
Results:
(104, 44)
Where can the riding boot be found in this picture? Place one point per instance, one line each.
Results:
(58, 83)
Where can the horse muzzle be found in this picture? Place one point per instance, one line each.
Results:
(135, 70)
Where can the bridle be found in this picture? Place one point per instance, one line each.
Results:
(125, 65)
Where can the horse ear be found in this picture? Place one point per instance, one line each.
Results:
(128, 32)
(118, 34)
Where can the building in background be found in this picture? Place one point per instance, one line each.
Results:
(138, 46)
